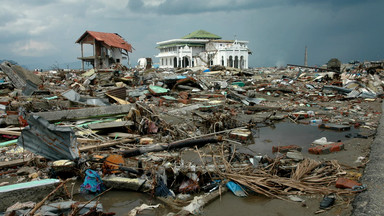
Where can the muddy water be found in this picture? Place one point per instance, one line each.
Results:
(121, 202)
(287, 133)
(284, 133)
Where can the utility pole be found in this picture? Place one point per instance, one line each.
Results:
(306, 57)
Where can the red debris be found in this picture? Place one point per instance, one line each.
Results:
(326, 149)
(346, 183)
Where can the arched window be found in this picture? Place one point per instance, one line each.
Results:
(175, 62)
(230, 61)
(185, 62)
(236, 63)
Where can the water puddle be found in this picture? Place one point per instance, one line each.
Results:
(121, 202)
(286, 133)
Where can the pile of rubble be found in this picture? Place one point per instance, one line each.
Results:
(175, 133)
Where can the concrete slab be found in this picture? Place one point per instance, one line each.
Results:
(370, 202)
(33, 191)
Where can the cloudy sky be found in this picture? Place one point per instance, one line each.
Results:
(44, 32)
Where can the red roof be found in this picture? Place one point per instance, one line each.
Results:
(110, 39)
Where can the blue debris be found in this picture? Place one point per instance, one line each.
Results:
(92, 183)
(236, 189)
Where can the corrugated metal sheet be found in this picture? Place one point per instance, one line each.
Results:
(118, 92)
(111, 39)
(29, 88)
(76, 97)
(21, 78)
(17, 81)
(48, 140)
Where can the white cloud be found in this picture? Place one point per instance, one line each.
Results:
(33, 48)
(33, 21)
(152, 3)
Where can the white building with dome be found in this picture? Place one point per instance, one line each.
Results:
(201, 48)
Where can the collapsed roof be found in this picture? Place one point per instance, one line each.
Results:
(108, 39)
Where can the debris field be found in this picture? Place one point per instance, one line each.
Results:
(182, 136)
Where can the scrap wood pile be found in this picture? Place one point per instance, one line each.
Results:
(308, 177)
(153, 120)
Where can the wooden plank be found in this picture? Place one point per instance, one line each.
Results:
(122, 135)
(105, 145)
(9, 132)
(114, 124)
(13, 163)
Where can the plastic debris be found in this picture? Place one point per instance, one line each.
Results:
(141, 208)
(92, 183)
(236, 189)
(322, 141)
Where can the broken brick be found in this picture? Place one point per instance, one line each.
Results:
(326, 149)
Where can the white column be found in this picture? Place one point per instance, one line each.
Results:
(94, 54)
(82, 56)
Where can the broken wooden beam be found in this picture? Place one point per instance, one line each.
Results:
(114, 124)
(179, 144)
(122, 135)
(105, 145)
(14, 163)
